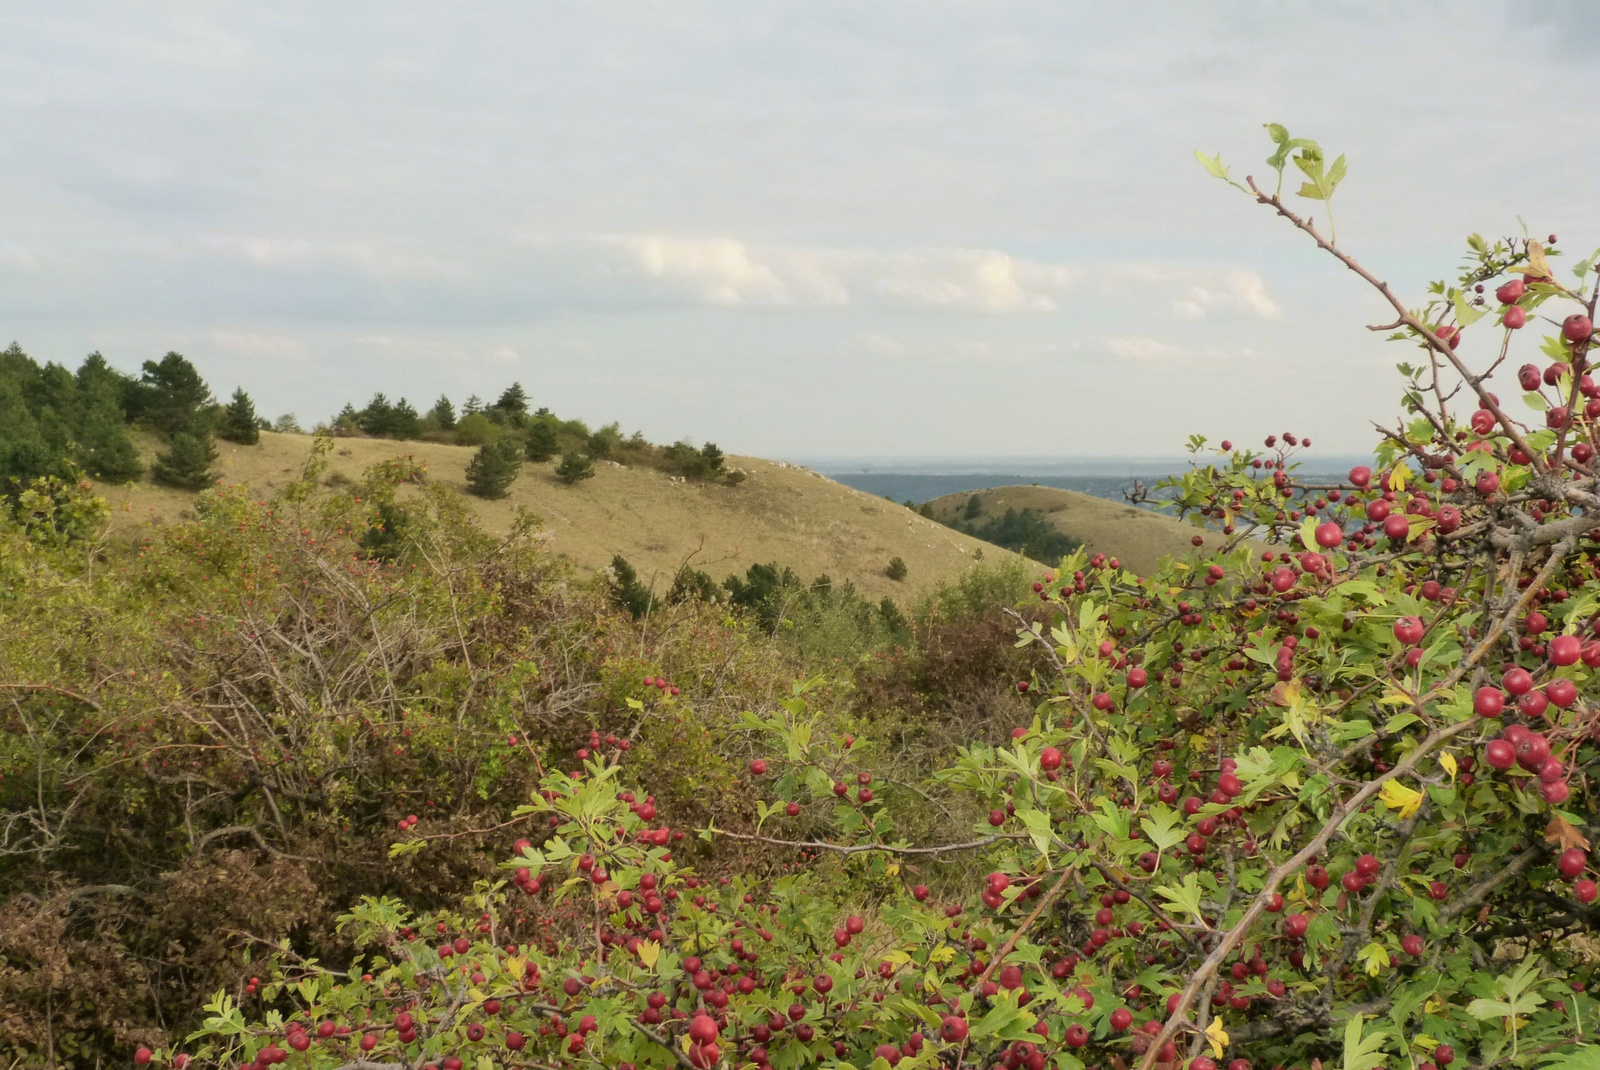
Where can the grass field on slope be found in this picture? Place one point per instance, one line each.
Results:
(1139, 538)
(779, 513)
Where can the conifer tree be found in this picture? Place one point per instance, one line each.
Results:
(493, 468)
(574, 466)
(542, 443)
(512, 406)
(104, 448)
(187, 462)
(443, 414)
(239, 421)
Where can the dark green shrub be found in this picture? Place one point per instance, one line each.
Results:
(493, 468)
(574, 466)
(186, 463)
(239, 422)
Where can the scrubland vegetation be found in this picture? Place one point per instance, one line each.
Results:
(337, 777)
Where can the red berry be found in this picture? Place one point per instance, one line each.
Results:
(703, 1029)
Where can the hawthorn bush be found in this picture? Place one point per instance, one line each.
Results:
(210, 730)
(1325, 803)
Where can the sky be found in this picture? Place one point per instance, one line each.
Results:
(796, 229)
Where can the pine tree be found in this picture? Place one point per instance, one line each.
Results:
(493, 468)
(404, 422)
(239, 422)
(104, 448)
(627, 592)
(187, 462)
(573, 467)
(377, 419)
(348, 422)
(542, 443)
(473, 404)
(443, 414)
(512, 406)
(168, 396)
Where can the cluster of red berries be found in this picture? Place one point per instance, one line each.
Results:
(661, 685)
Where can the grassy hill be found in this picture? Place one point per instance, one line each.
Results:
(779, 513)
(1138, 537)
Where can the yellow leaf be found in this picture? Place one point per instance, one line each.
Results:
(1396, 796)
(1397, 478)
(1538, 266)
(1435, 1005)
(649, 952)
(1217, 1037)
(892, 869)
(1448, 762)
(942, 953)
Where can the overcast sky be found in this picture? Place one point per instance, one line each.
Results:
(792, 228)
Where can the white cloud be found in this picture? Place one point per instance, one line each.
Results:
(882, 344)
(1144, 350)
(503, 355)
(731, 273)
(251, 344)
(16, 256)
(1197, 289)
(364, 258)
(718, 271)
(1234, 290)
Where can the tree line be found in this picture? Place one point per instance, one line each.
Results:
(59, 423)
(56, 422)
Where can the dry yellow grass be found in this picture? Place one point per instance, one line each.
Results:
(779, 513)
(1137, 537)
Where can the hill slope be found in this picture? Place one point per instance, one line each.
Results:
(1139, 538)
(779, 513)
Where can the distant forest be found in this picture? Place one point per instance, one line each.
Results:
(60, 424)
(57, 423)
(1024, 530)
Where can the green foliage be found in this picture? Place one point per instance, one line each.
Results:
(493, 468)
(51, 420)
(169, 396)
(381, 419)
(476, 429)
(443, 415)
(974, 508)
(627, 592)
(239, 422)
(1255, 805)
(186, 462)
(510, 407)
(543, 440)
(896, 569)
(1024, 530)
(605, 443)
(574, 467)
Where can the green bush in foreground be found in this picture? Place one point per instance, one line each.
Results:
(1328, 805)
